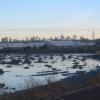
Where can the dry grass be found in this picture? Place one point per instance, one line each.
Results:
(49, 92)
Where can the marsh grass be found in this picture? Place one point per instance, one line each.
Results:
(51, 91)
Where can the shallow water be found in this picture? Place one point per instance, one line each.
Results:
(22, 75)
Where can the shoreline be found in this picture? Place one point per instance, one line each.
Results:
(72, 83)
(66, 85)
(51, 49)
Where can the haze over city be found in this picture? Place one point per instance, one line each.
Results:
(49, 18)
(49, 49)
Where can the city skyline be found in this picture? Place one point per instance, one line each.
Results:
(23, 17)
(49, 35)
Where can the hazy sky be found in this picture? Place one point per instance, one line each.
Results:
(58, 14)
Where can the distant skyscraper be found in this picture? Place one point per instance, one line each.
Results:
(93, 35)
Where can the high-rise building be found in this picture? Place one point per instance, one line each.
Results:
(74, 37)
(93, 35)
(5, 39)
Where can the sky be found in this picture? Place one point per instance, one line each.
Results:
(25, 16)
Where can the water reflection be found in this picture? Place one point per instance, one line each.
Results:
(16, 69)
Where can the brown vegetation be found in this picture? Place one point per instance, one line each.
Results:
(52, 91)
